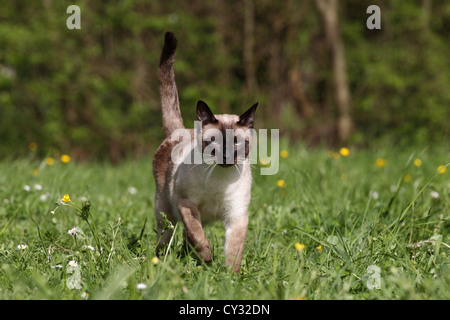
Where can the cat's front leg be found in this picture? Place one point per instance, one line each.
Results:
(191, 219)
(235, 231)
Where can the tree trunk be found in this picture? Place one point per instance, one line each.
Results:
(249, 40)
(329, 12)
(301, 102)
(224, 51)
(426, 14)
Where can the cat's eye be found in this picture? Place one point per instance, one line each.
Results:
(213, 140)
(238, 144)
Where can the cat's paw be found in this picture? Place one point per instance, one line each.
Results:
(204, 252)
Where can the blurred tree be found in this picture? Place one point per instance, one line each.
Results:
(329, 12)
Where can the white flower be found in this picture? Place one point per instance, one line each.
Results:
(22, 247)
(141, 286)
(373, 194)
(88, 247)
(434, 194)
(26, 188)
(85, 295)
(43, 197)
(37, 187)
(132, 190)
(59, 266)
(73, 231)
(73, 263)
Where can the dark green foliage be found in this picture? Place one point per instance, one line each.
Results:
(94, 92)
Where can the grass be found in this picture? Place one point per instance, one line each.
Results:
(332, 226)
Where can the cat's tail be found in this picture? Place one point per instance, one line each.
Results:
(171, 114)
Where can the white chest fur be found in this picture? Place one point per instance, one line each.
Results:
(219, 193)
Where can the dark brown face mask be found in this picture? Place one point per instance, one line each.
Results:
(228, 143)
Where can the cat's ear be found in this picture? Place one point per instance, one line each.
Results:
(204, 113)
(246, 119)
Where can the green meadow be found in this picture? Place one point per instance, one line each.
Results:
(331, 224)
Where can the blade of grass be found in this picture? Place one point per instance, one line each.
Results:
(405, 211)
(170, 242)
(6, 226)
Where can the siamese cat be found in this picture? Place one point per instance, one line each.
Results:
(215, 186)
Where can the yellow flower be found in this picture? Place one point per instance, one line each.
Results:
(264, 162)
(441, 169)
(32, 146)
(65, 158)
(284, 154)
(344, 152)
(319, 248)
(417, 162)
(299, 246)
(380, 162)
(155, 260)
(35, 172)
(66, 198)
(407, 177)
(49, 161)
(281, 183)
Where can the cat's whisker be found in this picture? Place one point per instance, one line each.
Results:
(236, 166)
(210, 173)
(254, 166)
(194, 166)
(206, 167)
(208, 160)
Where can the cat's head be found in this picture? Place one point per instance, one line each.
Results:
(226, 138)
